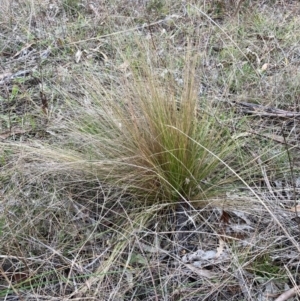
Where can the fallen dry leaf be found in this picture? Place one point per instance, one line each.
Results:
(201, 272)
(78, 56)
(264, 67)
(295, 209)
(220, 248)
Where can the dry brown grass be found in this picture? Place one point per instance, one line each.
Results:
(70, 234)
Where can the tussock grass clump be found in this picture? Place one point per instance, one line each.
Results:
(153, 137)
(148, 135)
(125, 156)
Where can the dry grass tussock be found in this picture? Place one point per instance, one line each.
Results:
(150, 136)
(129, 169)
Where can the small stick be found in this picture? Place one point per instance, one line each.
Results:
(288, 294)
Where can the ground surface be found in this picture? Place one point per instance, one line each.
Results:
(63, 238)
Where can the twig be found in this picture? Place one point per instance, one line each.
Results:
(263, 111)
(119, 32)
(288, 294)
(292, 172)
(237, 8)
